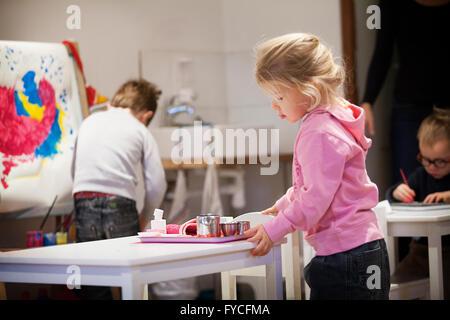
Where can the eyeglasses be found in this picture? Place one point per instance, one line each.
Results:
(438, 163)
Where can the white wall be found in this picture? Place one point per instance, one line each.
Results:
(249, 22)
(112, 32)
(217, 35)
(246, 23)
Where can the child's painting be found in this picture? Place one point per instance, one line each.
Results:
(40, 113)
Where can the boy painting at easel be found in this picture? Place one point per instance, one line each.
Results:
(109, 147)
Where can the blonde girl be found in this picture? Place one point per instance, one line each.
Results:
(332, 197)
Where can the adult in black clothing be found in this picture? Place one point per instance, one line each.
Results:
(419, 31)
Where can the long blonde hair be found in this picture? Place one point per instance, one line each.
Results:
(299, 60)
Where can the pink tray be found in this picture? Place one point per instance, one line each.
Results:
(190, 239)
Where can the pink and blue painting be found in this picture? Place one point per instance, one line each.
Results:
(39, 116)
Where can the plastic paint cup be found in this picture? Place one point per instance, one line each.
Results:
(61, 237)
(49, 239)
(34, 239)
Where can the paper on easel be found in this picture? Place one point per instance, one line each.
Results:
(41, 114)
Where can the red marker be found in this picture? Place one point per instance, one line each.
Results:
(406, 182)
(404, 178)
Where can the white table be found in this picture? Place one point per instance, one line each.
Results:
(424, 223)
(125, 263)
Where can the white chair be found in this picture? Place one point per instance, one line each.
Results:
(290, 257)
(308, 254)
(418, 289)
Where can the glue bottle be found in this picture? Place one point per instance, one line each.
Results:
(158, 223)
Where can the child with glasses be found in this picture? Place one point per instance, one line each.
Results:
(429, 183)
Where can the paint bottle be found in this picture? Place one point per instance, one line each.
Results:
(158, 223)
(34, 239)
(49, 239)
(61, 237)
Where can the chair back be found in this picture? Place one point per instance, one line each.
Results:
(382, 210)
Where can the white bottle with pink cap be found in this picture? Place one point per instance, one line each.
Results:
(158, 224)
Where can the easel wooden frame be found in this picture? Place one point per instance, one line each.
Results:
(348, 49)
(80, 83)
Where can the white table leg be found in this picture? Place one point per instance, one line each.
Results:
(291, 266)
(133, 290)
(228, 286)
(145, 293)
(392, 252)
(308, 255)
(274, 278)
(435, 262)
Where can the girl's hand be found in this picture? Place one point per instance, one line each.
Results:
(404, 193)
(272, 210)
(438, 197)
(369, 119)
(264, 242)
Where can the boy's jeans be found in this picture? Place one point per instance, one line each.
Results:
(361, 273)
(104, 218)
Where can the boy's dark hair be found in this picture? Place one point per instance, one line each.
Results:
(435, 127)
(137, 95)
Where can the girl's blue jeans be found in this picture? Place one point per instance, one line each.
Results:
(361, 273)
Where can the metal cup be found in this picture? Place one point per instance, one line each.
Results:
(208, 226)
(242, 226)
(229, 228)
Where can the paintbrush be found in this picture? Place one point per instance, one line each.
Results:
(65, 223)
(48, 213)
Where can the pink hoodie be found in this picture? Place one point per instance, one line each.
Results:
(332, 196)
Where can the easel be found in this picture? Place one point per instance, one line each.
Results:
(81, 85)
